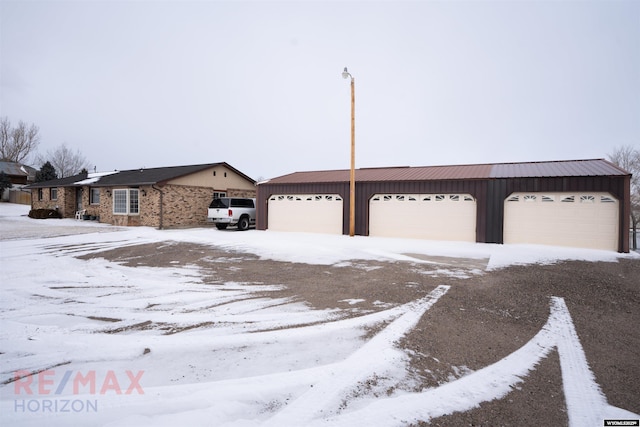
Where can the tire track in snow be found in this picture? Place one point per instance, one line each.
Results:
(326, 394)
(586, 404)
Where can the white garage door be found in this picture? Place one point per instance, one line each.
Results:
(586, 220)
(314, 213)
(423, 216)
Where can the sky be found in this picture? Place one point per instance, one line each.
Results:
(258, 84)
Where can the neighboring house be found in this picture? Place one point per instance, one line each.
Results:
(20, 175)
(157, 197)
(580, 203)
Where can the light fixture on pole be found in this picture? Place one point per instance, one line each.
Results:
(352, 174)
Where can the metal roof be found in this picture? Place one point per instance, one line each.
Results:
(562, 168)
(595, 167)
(17, 169)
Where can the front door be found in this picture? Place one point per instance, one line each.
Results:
(79, 199)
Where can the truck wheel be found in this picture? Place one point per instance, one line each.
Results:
(221, 226)
(243, 224)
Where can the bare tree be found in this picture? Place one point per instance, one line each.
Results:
(628, 158)
(66, 161)
(17, 143)
(5, 131)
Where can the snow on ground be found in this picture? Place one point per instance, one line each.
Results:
(99, 343)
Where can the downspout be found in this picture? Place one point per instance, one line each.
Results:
(161, 203)
(625, 214)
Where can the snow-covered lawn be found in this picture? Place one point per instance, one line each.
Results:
(75, 350)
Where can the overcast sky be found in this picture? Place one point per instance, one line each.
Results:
(258, 84)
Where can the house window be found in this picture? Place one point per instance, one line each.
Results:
(126, 201)
(40, 194)
(53, 194)
(219, 194)
(94, 196)
(134, 205)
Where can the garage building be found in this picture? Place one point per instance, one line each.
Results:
(580, 203)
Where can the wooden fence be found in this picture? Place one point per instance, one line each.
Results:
(20, 197)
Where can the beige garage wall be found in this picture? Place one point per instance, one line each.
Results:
(311, 213)
(423, 216)
(585, 220)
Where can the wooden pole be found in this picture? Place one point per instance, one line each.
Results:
(352, 175)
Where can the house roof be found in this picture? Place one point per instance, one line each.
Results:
(16, 169)
(60, 182)
(563, 168)
(134, 177)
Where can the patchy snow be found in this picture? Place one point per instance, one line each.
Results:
(352, 301)
(94, 177)
(161, 347)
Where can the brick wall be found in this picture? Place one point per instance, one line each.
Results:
(105, 210)
(93, 210)
(146, 209)
(245, 194)
(182, 205)
(65, 203)
(45, 202)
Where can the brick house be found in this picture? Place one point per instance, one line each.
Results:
(165, 197)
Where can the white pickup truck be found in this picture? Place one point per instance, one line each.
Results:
(232, 211)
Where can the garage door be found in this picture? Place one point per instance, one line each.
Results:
(314, 213)
(586, 220)
(423, 216)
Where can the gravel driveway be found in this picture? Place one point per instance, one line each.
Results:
(484, 317)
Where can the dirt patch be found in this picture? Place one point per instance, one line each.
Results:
(104, 319)
(376, 285)
(445, 261)
(483, 318)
